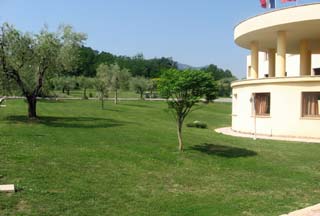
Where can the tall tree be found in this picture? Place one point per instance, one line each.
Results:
(87, 62)
(183, 89)
(29, 59)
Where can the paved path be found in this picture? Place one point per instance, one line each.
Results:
(230, 132)
(310, 211)
(219, 100)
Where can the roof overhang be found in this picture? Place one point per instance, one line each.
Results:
(300, 22)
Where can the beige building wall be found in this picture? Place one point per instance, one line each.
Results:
(286, 103)
(289, 36)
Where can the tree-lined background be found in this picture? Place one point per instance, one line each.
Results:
(43, 64)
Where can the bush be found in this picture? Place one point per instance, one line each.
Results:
(197, 124)
(90, 95)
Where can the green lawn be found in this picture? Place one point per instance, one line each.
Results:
(81, 160)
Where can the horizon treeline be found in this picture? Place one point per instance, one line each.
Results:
(137, 65)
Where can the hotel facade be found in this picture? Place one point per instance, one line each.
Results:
(281, 93)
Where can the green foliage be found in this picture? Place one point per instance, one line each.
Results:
(85, 83)
(139, 85)
(198, 124)
(183, 89)
(65, 84)
(224, 86)
(114, 77)
(138, 66)
(223, 80)
(29, 60)
(87, 62)
(152, 87)
(217, 73)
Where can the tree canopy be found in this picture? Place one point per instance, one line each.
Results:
(29, 59)
(137, 65)
(139, 85)
(115, 78)
(183, 89)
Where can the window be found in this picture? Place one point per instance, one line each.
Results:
(266, 56)
(316, 71)
(310, 104)
(262, 104)
(234, 104)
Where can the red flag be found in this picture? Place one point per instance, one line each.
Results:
(264, 3)
(284, 1)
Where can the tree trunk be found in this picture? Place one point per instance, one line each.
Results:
(141, 95)
(102, 100)
(116, 97)
(85, 94)
(68, 91)
(179, 130)
(32, 106)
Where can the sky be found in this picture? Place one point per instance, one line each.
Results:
(193, 32)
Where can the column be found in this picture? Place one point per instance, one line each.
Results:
(309, 63)
(281, 54)
(304, 57)
(254, 73)
(272, 62)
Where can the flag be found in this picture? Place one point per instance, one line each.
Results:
(268, 3)
(263, 3)
(272, 3)
(284, 1)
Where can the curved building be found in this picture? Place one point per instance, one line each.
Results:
(281, 95)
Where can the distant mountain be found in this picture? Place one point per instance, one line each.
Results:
(185, 66)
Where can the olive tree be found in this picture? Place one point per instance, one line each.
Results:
(183, 89)
(102, 82)
(152, 86)
(102, 89)
(65, 84)
(139, 85)
(85, 83)
(116, 78)
(30, 59)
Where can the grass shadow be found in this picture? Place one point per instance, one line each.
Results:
(70, 122)
(223, 151)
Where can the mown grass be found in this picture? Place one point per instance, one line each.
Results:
(81, 160)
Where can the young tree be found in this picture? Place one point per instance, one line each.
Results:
(183, 89)
(139, 85)
(102, 89)
(65, 84)
(85, 83)
(30, 59)
(116, 78)
(119, 80)
(152, 86)
(102, 82)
